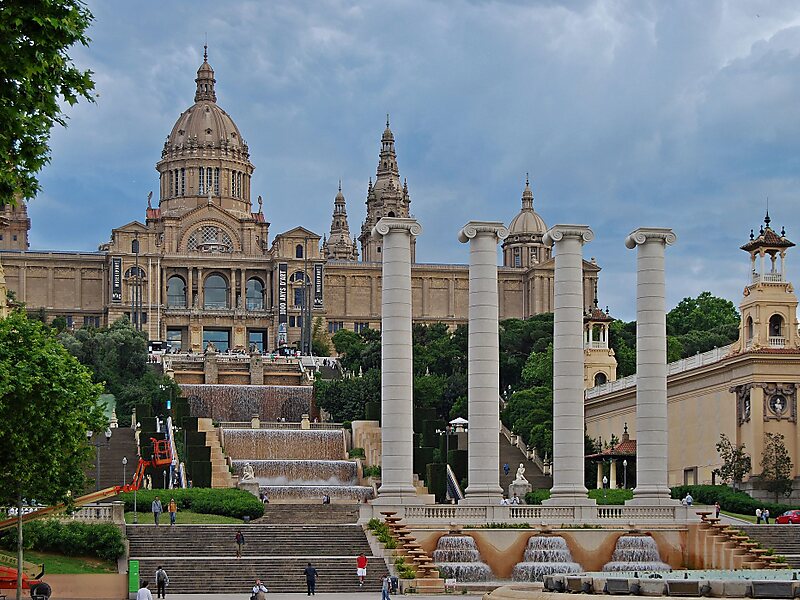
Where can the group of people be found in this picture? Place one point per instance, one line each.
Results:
(762, 516)
(157, 508)
(510, 501)
(162, 581)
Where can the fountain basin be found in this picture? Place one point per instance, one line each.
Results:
(314, 493)
(545, 555)
(458, 557)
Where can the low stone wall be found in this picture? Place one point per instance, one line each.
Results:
(88, 587)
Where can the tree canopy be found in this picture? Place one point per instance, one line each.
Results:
(704, 313)
(36, 74)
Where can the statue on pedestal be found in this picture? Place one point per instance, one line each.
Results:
(520, 477)
(248, 473)
(520, 486)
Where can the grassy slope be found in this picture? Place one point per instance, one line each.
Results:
(58, 564)
(185, 517)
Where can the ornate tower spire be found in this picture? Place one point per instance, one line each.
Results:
(205, 80)
(340, 246)
(527, 195)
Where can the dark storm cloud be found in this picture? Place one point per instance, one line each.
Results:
(625, 113)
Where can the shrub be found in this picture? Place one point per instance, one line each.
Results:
(610, 496)
(372, 471)
(225, 502)
(735, 502)
(356, 453)
(72, 538)
(537, 496)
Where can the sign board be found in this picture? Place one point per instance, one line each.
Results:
(133, 576)
(116, 280)
(318, 285)
(283, 305)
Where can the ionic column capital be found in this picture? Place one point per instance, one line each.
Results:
(476, 228)
(558, 232)
(645, 235)
(389, 224)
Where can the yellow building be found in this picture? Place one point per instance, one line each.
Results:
(744, 390)
(201, 266)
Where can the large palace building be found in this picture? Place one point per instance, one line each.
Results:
(202, 267)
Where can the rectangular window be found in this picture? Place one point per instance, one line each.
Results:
(221, 338)
(176, 182)
(70, 322)
(201, 184)
(298, 297)
(169, 193)
(334, 326)
(183, 181)
(13, 238)
(174, 340)
(293, 320)
(359, 327)
(209, 179)
(216, 181)
(255, 338)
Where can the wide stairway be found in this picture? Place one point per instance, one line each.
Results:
(783, 539)
(202, 558)
(514, 456)
(122, 444)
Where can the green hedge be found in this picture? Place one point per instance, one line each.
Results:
(72, 538)
(611, 497)
(735, 502)
(226, 502)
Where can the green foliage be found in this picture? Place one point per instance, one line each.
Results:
(537, 496)
(47, 404)
(72, 538)
(704, 313)
(358, 350)
(59, 323)
(518, 338)
(622, 338)
(38, 76)
(345, 399)
(439, 351)
(610, 497)
(320, 342)
(538, 369)
(776, 465)
(735, 461)
(117, 356)
(729, 499)
(356, 453)
(501, 525)
(529, 413)
(428, 391)
(372, 471)
(229, 502)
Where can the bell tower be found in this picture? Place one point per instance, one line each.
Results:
(599, 363)
(769, 304)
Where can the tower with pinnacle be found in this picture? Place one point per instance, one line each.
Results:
(340, 246)
(387, 197)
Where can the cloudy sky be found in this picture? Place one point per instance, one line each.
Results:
(626, 114)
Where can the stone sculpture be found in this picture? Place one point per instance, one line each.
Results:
(248, 473)
(520, 477)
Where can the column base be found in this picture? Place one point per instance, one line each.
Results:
(485, 495)
(652, 496)
(397, 495)
(569, 496)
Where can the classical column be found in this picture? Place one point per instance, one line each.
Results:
(397, 363)
(568, 428)
(651, 366)
(483, 362)
(612, 476)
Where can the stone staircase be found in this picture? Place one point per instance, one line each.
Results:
(122, 443)
(220, 474)
(513, 456)
(783, 539)
(304, 514)
(202, 558)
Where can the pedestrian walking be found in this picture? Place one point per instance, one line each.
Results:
(506, 469)
(361, 568)
(717, 508)
(144, 593)
(173, 511)
(758, 516)
(239, 543)
(311, 579)
(385, 585)
(765, 516)
(162, 581)
(259, 591)
(157, 509)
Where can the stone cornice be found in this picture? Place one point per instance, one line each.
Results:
(475, 228)
(558, 232)
(387, 224)
(643, 235)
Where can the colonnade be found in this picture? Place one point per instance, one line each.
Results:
(483, 363)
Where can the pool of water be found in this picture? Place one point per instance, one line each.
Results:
(744, 574)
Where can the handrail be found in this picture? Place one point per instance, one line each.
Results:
(453, 488)
(531, 456)
(175, 458)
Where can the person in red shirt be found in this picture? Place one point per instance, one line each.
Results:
(361, 568)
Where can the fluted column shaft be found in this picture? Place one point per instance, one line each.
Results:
(651, 365)
(397, 406)
(483, 360)
(568, 425)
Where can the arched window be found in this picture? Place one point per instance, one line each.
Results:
(201, 182)
(749, 328)
(215, 292)
(176, 292)
(255, 294)
(600, 379)
(298, 277)
(135, 272)
(776, 326)
(391, 213)
(298, 251)
(209, 238)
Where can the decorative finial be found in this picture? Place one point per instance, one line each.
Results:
(752, 235)
(608, 312)
(595, 293)
(260, 204)
(205, 52)
(783, 231)
(340, 185)
(625, 429)
(527, 180)
(767, 220)
(387, 120)
(149, 197)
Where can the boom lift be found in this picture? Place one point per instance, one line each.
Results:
(162, 457)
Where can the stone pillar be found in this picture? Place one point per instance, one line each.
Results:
(483, 356)
(599, 475)
(397, 363)
(568, 427)
(612, 476)
(651, 366)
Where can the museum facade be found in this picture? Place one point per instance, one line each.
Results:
(202, 267)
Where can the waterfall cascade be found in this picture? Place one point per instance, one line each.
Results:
(458, 558)
(241, 402)
(296, 465)
(545, 555)
(636, 553)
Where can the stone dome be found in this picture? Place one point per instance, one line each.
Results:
(528, 220)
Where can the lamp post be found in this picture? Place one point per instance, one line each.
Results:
(124, 464)
(97, 445)
(446, 433)
(605, 482)
(625, 473)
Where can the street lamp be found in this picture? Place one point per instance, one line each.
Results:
(605, 482)
(97, 445)
(625, 473)
(446, 433)
(124, 464)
